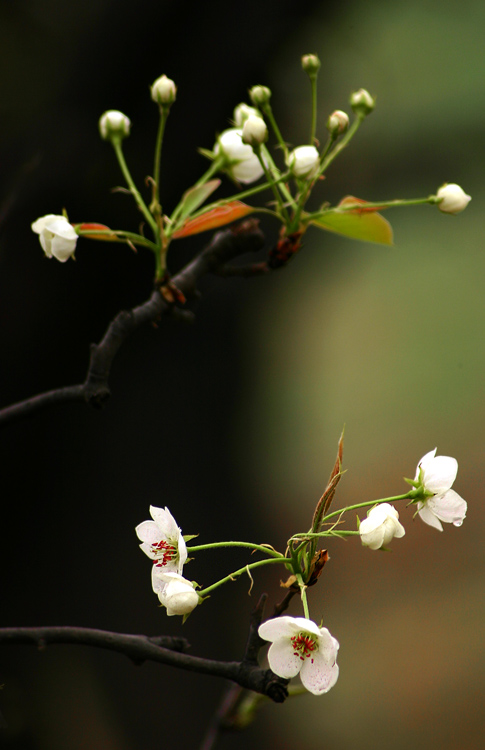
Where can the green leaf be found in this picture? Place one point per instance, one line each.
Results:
(196, 196)
(360, 223)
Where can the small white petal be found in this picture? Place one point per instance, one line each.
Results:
(448, 507)
(318, 676)
(440, 473)
(282, 659)
(428, 516)
(148, 531)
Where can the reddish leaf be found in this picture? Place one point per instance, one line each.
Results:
(216, 217)
(93, 230)
(359, 224)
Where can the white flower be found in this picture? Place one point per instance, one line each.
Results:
(243, 164)
(163, 542)
(454, 199)
(300, 646)
(57, 237)
(114, 124)
(164, 91)
(380, 526)
(176, 593)
(338, 122)
(304, 161)
(242, 112)
(362, 102)
(254, 131)
(436, 474)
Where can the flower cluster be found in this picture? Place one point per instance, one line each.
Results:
(163, 543)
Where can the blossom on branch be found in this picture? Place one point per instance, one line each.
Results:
(163, 543)
(299, 646)
(435, 476)
(380, 526)
(242, 163)
(304, 162)
(57, 237)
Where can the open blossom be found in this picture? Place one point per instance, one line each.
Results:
(299, 646)
(163, 542)
(176, 593)
(304, 161)
(380, 526)
(436, 475)
(243, 164)
(57, 237)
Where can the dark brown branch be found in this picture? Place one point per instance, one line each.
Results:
(162, 649)
(224, 246)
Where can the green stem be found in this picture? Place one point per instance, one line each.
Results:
(133, 190)
(269, 114)
(313, 81)
(377, 205)
(250, 545)
(408, 496)
(328, 159)
(214, 167)
(303, 595)
(121, 236)
(269, 177)
(164, 112)
(239, 572)
(277, 178)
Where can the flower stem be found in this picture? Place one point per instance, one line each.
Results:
(164, 111)
(239, 572)
(303, 595)
(269, 114)
(328, 159)
(407, 496)
(371, 205)
(133, 189)
(259, 547)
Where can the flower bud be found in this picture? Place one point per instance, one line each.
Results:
(310, 64)
(241, 162)
(57, 237)
(177, 595)
(255, 131)
(164, 91)
(452, 199)
(242, 112)
(337, 123)
(362, 102)
(304, 161)
(260, 95)
(380, 526)
(114, 124)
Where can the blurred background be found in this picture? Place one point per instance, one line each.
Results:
(233, 423)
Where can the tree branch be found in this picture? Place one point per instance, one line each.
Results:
(224, 246)
(162, 649)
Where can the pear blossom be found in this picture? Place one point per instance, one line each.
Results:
(164, 91)
(380, 526)
(435, 476)
(114, 125)
(242, 112)
(57, 237)
(254, 131)
(242, 163)
(163, 543)
(304, 161)
(362, 102)
(299, 646)
(176, 593)
(452, 199)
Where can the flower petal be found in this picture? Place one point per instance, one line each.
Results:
(427, 515)
(317, 675)
(148, 532)
(286, 627)
(439, 474)
(282, 659)
(448, 507)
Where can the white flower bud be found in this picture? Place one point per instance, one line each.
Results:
(114, 124)
(452, 199)
(304, 161)
(242, 112)
(310, 64)
(260, 95)
(380, 526)
(242, 163)
(362, 102)
(254, 131)
(337, 123)
(177, 595)
(164, 91)
(57, 237)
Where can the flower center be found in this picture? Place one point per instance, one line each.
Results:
(304, 645)
(164, 552)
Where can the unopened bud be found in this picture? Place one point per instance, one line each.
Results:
(362, 102)
(452, 199)
(254, 131)
(337, 123)
(260, 95)
(310, 64)
(164, 91)
(304, 161)
(242, 112)
(114, 125)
